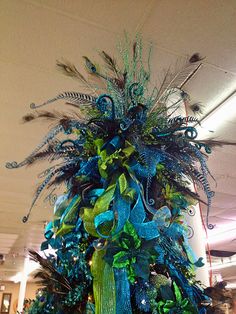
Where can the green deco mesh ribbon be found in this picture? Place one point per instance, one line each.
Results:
(103, 284)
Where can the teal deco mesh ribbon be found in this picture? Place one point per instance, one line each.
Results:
(123, 305)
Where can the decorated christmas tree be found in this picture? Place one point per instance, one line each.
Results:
(127, 161)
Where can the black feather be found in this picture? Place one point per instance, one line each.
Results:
(110, 62)
(90, 66)
(69, 69)
(134, 50)
(196, 57)
(49, 276)
(215, 143)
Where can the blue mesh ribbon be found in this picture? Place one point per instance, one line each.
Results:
(102, 219)
(94, 194)
(59, 201)
(48, 233)
(146, 230)
(69, 209)
(121, 210)
(123, 304)
(150, 158)
(113, 145)
(162, 217)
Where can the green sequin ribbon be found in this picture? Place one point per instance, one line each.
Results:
(103, 285)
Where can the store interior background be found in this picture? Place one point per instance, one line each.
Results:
(36, 33)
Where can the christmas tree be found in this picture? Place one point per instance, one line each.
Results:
(127, 162)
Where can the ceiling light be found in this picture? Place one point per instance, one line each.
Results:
(30, 266)
(222, 236)
(217, 117)
(222, 265)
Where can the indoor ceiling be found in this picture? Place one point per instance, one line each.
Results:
(36, 33)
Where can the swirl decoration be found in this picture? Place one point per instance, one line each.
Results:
(125, 124)
(124, 160)
(190, 232)
(191, 211)
(135, 90)
(51, 198)
(106, 105)
(190, 133)
(206, 147)
(12, 165)
(73, 98)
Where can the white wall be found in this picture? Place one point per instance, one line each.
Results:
(13, 288)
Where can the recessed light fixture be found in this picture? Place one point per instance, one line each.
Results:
(225, 232)
(222, 265)
(30, 266)
(217, 117)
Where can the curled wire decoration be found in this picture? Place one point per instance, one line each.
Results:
(49, 173)
(12, 165)
(125, 124)
(190, 232)
(210, 226)
(69, 146)
(135, 90)
(73, 98)
(150, 201)
(34, 106)
(208, 150)
(46, 172)
(49, 138)
(190, 133)
(25, 218)
(182, 120)
(106, 105)
(52, 199)
(210, 196)
(191, 211)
